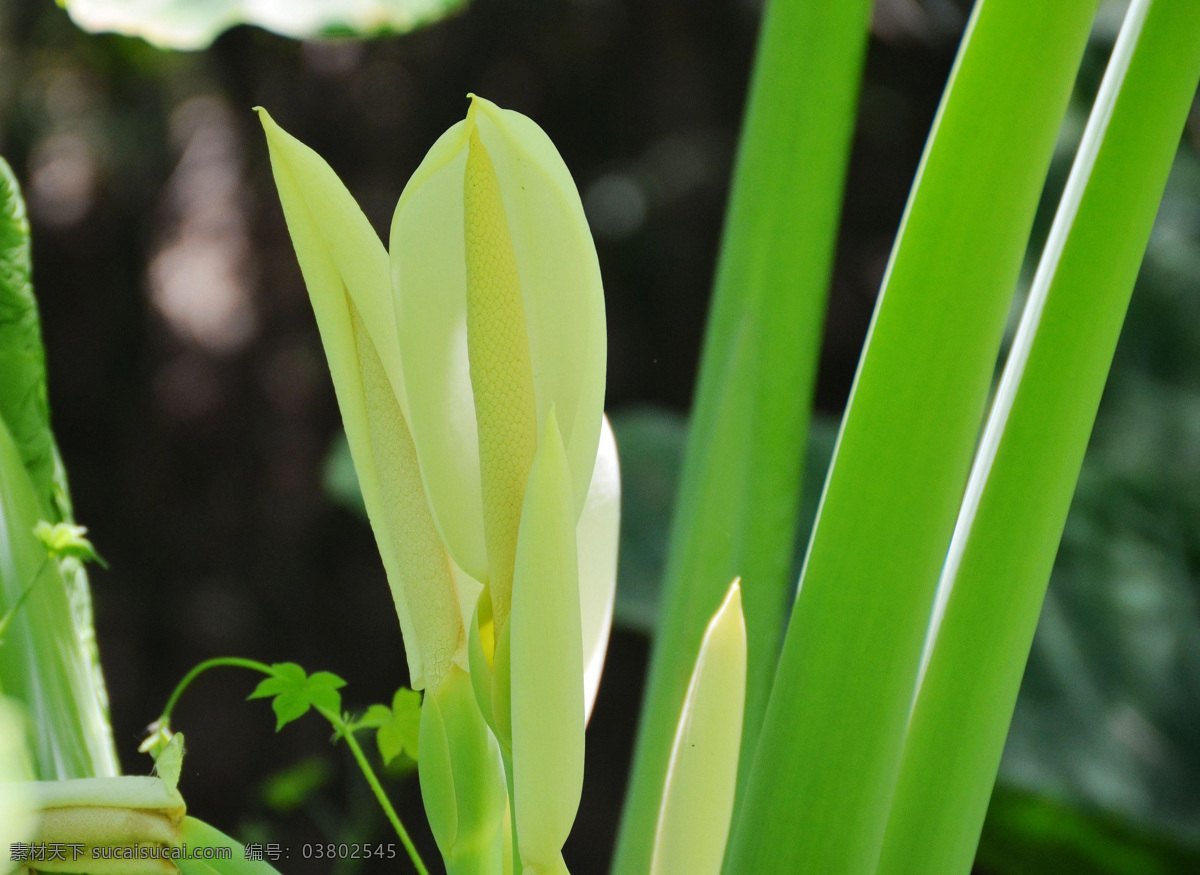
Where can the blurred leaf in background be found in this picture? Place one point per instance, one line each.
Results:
(651, 443)
(1109, 714)
(293, 787)
(1030, 834)
(194, 24)
(50, 664)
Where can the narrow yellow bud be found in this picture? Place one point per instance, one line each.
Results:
(501, 369)
(697, 801)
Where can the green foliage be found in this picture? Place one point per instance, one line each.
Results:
(739, 499)
(23, 399)
(48, 661)
(1027, 833)
(1109, 704)
(831, 743)
(1017, 500)
(398, 727)
(67, 541)
(1115, 646)
(652, 447)
(295, 692)
(291, 788)
(193, 24)
(168, 762)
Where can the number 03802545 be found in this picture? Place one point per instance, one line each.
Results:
(349, 851)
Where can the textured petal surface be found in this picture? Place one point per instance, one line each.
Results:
(547, 661)
(563, 301)
(501, 370)
(597, 534)
(429, 281)
(560, 282)
(697, 802)
(347, 273)
(423, 568)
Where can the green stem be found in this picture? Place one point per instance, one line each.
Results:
(348, 732)
(8, 615)
(335, 720)
(512, 806)
(232, 661)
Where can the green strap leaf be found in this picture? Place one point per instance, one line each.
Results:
(829, 752)
(739, 500)
(1023, 479)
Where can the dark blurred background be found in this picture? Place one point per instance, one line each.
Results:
(200, 432)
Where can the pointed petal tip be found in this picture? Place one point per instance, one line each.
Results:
(265, 119)
(732, 603)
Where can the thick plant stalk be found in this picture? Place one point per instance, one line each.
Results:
(829, 753)
(1020, 490)
(739, 498)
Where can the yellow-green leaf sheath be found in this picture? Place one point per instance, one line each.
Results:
(347, 274)
(546, 662)
(134, 792)
(561, 296)
(501, 370)
(462, 779)
(105, 813)
(697, 801)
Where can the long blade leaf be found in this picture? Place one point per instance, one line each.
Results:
(1024, 476)
(740, 493)
(829, 752)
